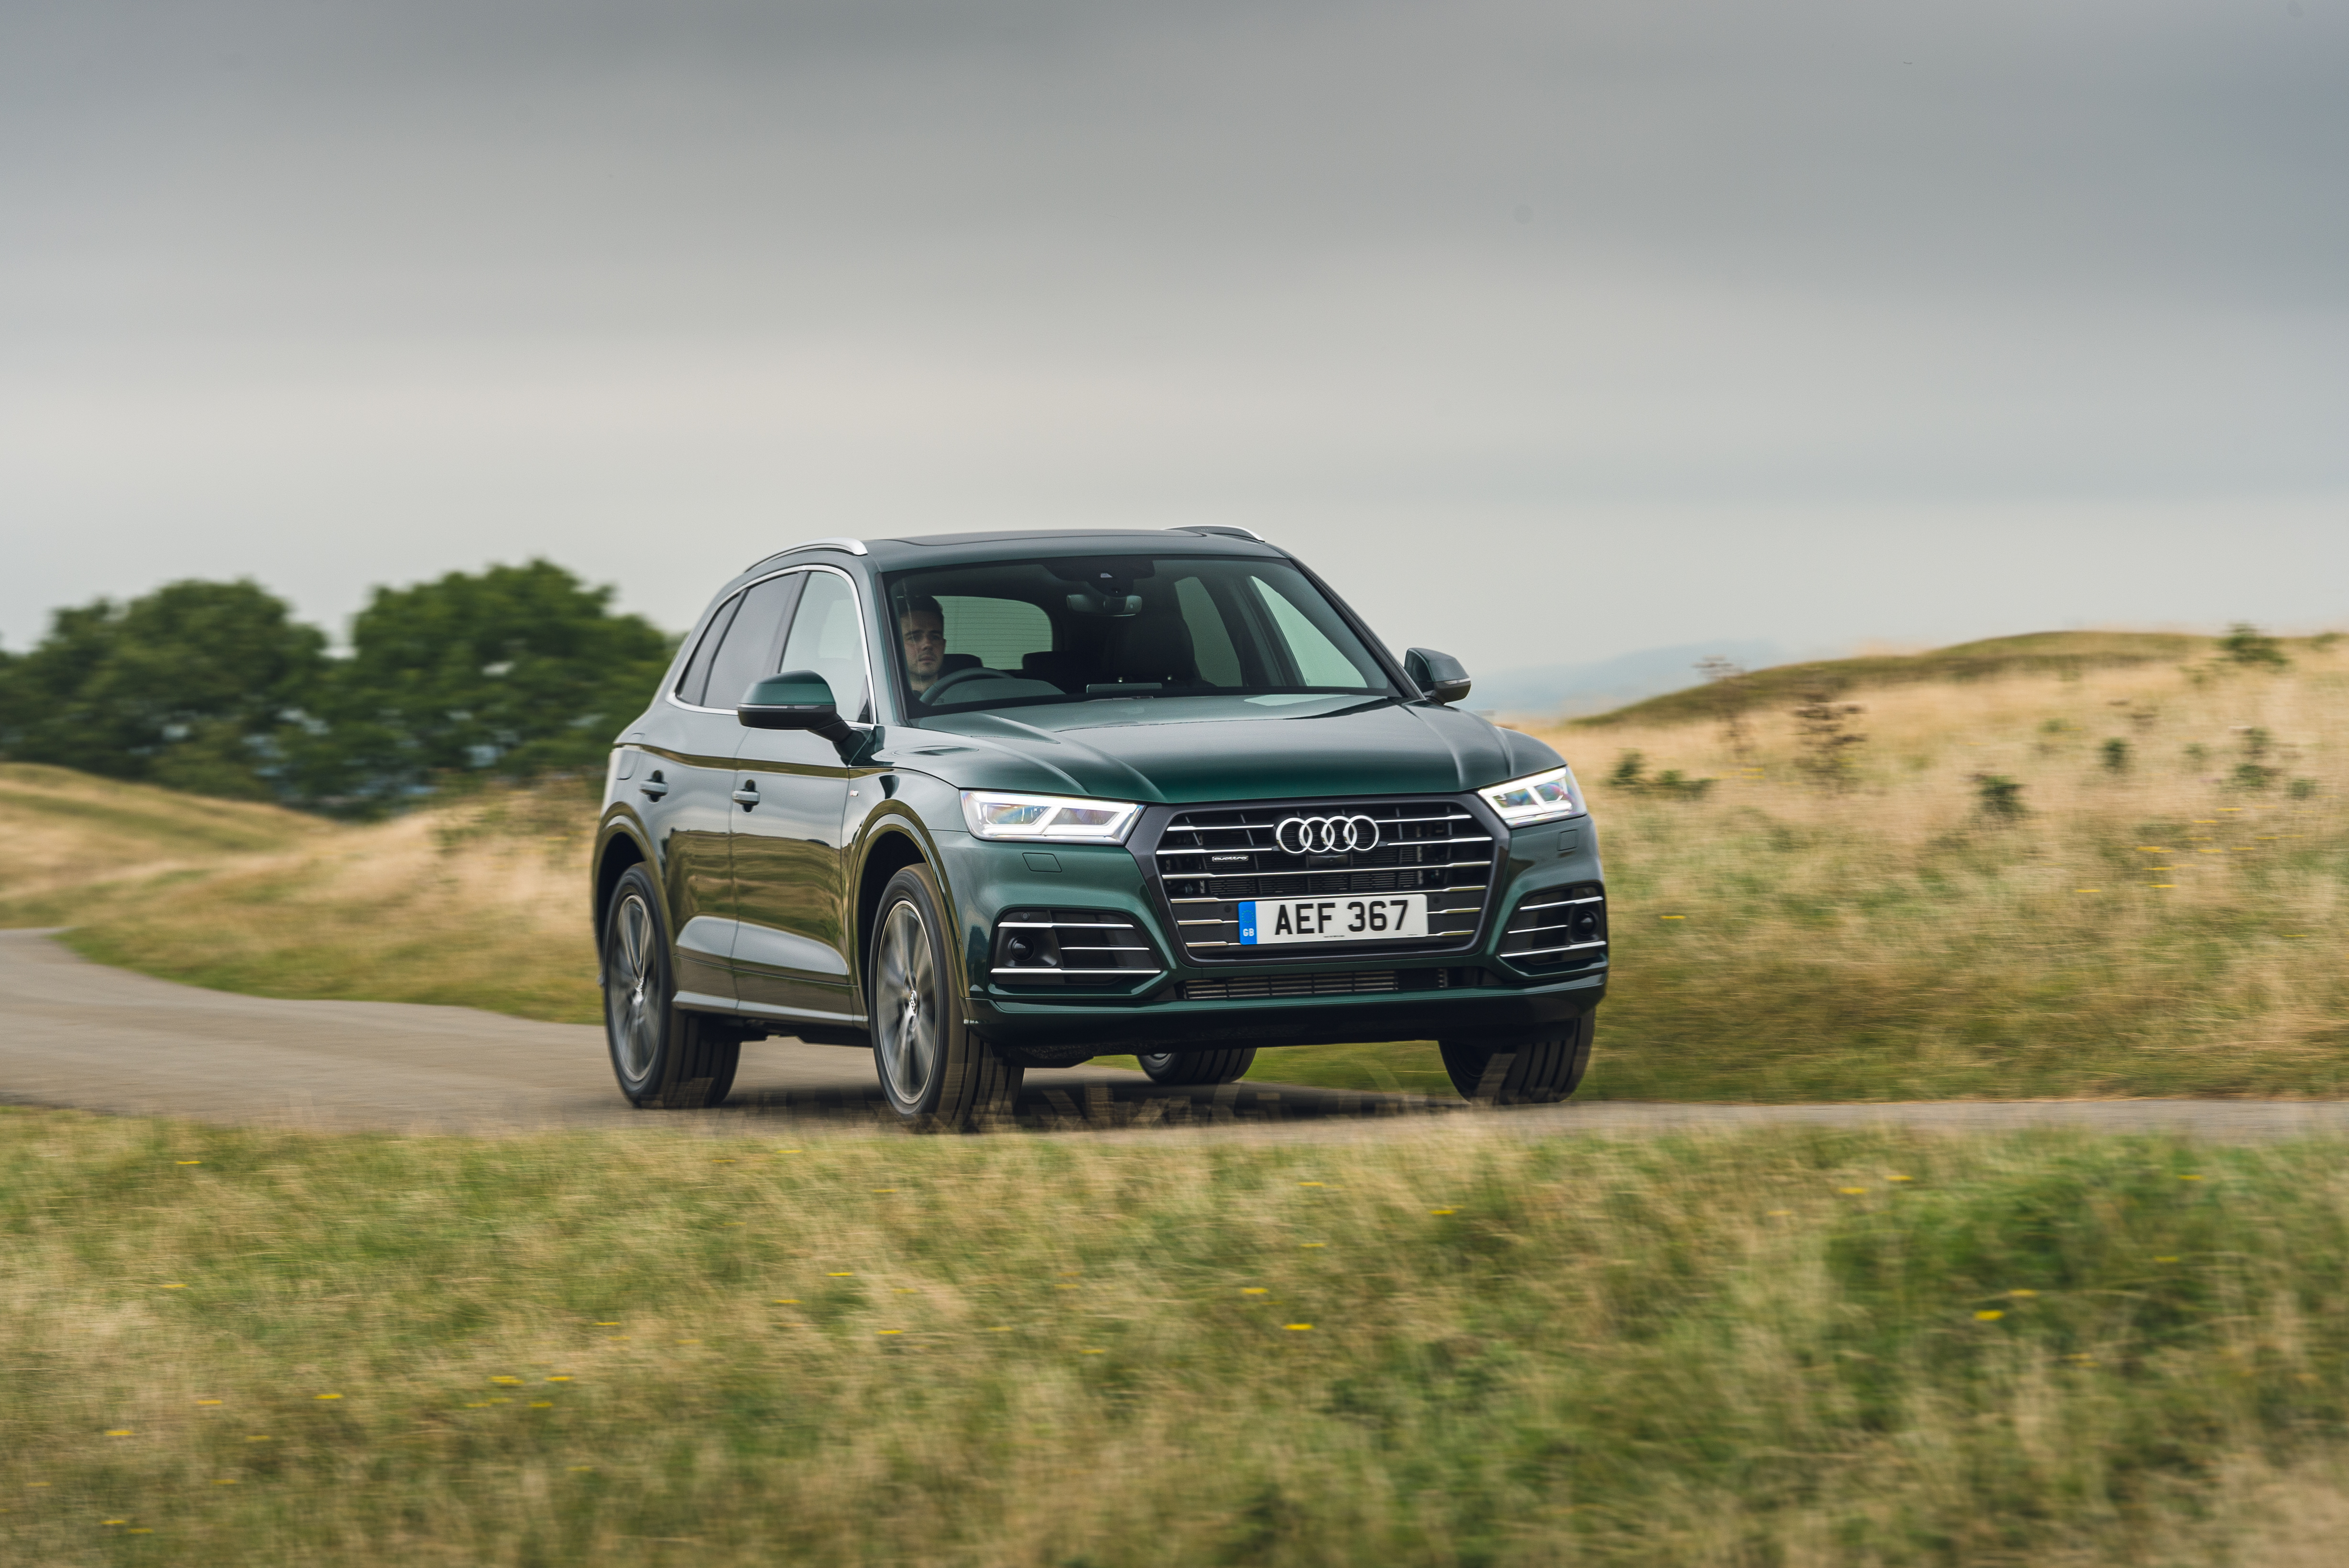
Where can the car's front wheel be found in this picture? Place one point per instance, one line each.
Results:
(665, 1058)
(937, 1073)
(1529, 1072)
(1198, 1067)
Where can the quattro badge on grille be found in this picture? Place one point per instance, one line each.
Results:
(1326, 835)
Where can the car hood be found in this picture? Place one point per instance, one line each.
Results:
(1182, 750)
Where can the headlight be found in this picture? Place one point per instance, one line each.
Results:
(1057, 819)
(1535, 797)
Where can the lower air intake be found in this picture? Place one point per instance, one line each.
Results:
(1071, 948)
(1556, 929)
(1269, 987)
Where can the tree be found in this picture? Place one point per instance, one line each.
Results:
(196, 684)
(515, 671)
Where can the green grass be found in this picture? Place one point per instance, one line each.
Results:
(664, 1348)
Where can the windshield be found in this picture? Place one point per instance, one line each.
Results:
(1013, 633)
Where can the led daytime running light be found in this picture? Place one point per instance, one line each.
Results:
(1536, 798)
(1046, 818)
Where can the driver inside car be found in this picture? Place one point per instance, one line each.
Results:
(923, 628)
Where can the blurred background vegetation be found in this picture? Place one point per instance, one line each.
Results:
(2076, 864)
(513, 672)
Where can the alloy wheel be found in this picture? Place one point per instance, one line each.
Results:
(905, 1021)
(630, 1007)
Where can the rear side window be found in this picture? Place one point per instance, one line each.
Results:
(827, 638)
(748, 654)
(695, 679)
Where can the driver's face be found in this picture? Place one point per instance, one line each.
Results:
(924, 635)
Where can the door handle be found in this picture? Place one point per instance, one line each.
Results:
(747, 796)
(653, 788)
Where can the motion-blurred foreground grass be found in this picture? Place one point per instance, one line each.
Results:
(1446, 1345)
(1987, 898)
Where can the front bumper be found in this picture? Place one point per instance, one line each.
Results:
(1472, 994)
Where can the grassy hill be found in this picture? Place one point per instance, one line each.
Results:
(477, 903)
(2118, 880)
(2064, 654)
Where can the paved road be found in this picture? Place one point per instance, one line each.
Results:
(78, 1034)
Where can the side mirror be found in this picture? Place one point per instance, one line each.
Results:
(796, 699)
(1439, 676)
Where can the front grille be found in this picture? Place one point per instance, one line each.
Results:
(1558, 928)
(1209, 860)
(1062, 948)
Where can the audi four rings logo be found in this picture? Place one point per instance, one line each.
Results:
(1326, 835)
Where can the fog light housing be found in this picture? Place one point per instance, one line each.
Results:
(1065, 947)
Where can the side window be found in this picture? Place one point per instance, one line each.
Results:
(998, 632)
(1211, 640)
(748, 654)
(1319, 661)
(695, 679)
(827, 638)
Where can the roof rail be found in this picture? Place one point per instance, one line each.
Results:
(1228, 530)
(853, 547)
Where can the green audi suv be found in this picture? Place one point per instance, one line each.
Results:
(988, 801)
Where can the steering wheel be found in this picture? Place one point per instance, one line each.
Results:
(976, 672)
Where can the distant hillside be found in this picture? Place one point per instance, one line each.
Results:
(2036, 653)
(1554, 691)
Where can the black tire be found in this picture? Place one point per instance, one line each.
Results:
(937, 1075)
(1198, 1067)
(665, 1058)
(1531, 1072)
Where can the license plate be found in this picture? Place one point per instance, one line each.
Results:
(1270, 919)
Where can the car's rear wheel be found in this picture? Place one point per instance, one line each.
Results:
(665, 1058)
(1529, 1072)
(1198, 1067)
(937, 1073)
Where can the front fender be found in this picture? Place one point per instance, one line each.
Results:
(898, 809)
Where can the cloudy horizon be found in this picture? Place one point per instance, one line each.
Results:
(1548, 336)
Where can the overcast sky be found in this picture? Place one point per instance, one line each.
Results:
(1547, 332)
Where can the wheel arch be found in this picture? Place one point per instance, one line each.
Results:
(890, 851)
(620, 851)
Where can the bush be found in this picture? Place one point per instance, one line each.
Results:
(2000, 796)
(2247, 644)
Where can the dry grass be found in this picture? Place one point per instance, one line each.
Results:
(67, 831)
(480, 902)
(661, 1348)
(2163, 928)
